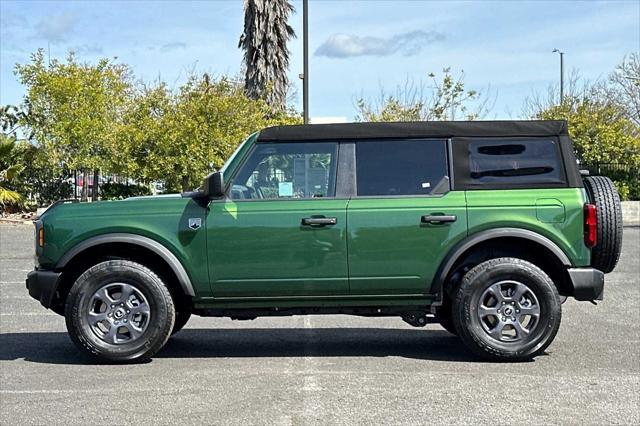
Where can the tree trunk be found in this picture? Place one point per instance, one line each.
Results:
(185, 183)
(96, 185)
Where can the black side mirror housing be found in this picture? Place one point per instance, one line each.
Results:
(213, 185)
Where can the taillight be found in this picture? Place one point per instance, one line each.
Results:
(41, 236)
(590, 225)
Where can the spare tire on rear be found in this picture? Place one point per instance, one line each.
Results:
(602, 192)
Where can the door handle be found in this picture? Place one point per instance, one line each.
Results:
(438, 219)
(319, 221)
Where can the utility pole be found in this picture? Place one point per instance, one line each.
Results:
(561, 73)
(305, 65)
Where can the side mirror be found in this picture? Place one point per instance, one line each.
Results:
(213, 185)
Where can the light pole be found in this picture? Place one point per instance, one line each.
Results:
(305, 63)
(561, 73)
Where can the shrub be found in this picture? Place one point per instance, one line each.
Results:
(119, 191)
(623, 190)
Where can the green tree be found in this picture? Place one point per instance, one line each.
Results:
(179, 137)
(26, 169)
(440, 100)
(10, 166)
(143, 133)
(266, 56)
(624, 87)
(602, 119)
(602, 134)
(9, 169)
(89, 117)
(599, 131)
(38, 180)
(210, 118)
(73, 108)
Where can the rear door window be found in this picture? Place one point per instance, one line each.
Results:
(401, 167)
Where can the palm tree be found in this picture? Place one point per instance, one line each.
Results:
(9, 119)
(266, 57)
(8, 172)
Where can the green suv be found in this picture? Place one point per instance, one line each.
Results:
(484, 227)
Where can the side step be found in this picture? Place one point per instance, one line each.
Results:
(415, 317)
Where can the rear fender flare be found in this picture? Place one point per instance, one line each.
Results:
(463, 246)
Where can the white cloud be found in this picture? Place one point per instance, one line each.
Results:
(408, 44)
(88, 49)
(172, 46)
(56, 28)
(12, 20)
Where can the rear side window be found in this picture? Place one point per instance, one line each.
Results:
(515, 161)
(505, 163)
(401, 167)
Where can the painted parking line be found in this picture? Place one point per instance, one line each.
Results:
(27, 314)
(69, 391)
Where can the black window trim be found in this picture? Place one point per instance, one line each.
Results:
(449, 168)
(346, 170)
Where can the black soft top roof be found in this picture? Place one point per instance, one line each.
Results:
(420, 129)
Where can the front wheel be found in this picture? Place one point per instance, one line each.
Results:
(507, 309)
(119, 311)
(183, 313)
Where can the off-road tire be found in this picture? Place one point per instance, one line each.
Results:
(470, 328)
(602, 192)
(161, 320)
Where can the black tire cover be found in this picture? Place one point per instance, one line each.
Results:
(602, 192)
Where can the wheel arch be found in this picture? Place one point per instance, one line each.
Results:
(136, 240)
(558, 259)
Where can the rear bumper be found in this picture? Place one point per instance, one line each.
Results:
(588, 283)
(42, 285)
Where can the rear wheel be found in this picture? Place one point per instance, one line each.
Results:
(119, 311)
(507, 309)
(602, 192)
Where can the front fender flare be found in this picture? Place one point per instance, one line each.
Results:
(139, 240)
(464, 245)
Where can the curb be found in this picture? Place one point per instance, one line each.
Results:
(16, 221)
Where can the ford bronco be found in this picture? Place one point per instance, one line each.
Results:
(483, 227)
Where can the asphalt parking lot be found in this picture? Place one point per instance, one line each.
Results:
(320, 370)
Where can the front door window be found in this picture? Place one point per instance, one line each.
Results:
(287, 171)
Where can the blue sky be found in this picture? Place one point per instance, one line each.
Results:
(357, 47)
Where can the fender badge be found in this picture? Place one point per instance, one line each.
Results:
(195, 223)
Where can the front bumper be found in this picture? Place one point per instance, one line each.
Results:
(588, 283)
(42, 285)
